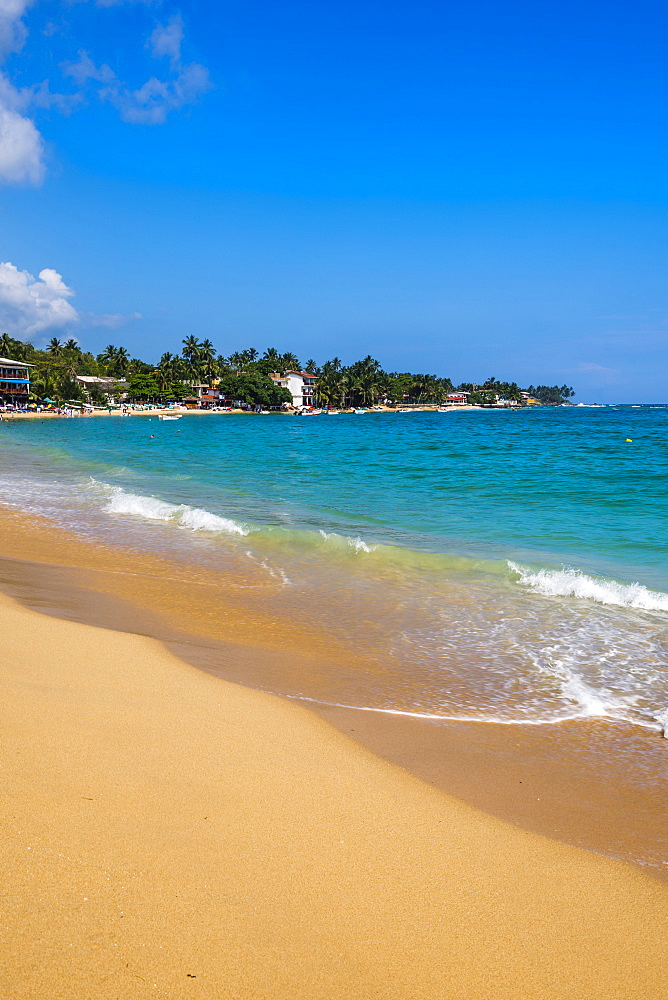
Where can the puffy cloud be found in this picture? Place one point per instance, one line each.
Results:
(29, 305)
(21, 149)
(12, 29)
(21, 146)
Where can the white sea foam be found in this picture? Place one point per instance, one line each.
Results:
(442, 717)
(193, 518)
(569, 582)
(357, 544)
(662, 720)
(274, 571)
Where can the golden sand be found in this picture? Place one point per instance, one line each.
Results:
(167, 834)
(567, 781)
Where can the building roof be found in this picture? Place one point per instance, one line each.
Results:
(20, 364)
(303, 374)
(100, 380)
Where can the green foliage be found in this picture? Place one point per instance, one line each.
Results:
(243, 376)
(551, 395)
(253, 388)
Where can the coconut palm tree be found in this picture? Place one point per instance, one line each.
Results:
(191, 354)
(237, 361)
(55, 346)
(71, 345)
(272, 355)
(11, 348)
(122, 360)
(289, 362)
(207, 360)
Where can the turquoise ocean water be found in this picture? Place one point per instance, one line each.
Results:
(508, 566)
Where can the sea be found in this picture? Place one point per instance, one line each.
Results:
(503, 566)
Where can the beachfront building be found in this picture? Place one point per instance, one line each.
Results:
(300, 385)
(113, 388)
(14, 382)
(457, 398)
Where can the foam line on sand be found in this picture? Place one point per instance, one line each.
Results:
(168, 834)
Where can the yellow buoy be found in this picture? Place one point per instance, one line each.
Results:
(630, 439)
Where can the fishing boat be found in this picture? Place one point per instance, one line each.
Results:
(169, 416)
(360, 411)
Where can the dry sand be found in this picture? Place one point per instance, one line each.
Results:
(169, 834)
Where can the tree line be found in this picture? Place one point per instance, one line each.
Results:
(244, 376)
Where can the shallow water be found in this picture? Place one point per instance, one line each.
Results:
(501, 566)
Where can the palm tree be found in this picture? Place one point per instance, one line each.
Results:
(122, 361)
(71, 345)
(289, 362)
(237, 360)
(207, 360)
(272, 355)
(191, 354)
(10, 348)
(54, 346)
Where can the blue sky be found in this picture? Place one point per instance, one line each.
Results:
(465, 189)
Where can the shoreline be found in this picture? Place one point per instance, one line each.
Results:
(170, 834)
(177, 411)
(564, 781)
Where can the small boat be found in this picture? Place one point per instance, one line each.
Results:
(360, 411)
(169, 416)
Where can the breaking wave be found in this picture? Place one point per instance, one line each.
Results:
(193, 518)
(569, 582)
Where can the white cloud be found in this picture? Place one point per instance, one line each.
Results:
(111, 320)
(29, 305)
(21, 149)
(590, 366)
(167, 38)
(152, 102)
(12, 29)
(21, 146)
(84, 69)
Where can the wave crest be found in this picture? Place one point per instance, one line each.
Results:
(568, 582)
(193, 518)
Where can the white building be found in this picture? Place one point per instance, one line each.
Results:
(300, 385)
(457, 398)
(113, 388)
(14, 381)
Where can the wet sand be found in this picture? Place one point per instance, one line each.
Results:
(169, 834)
(568, 781)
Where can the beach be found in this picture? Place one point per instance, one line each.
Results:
(175, 828)
(170, 834)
